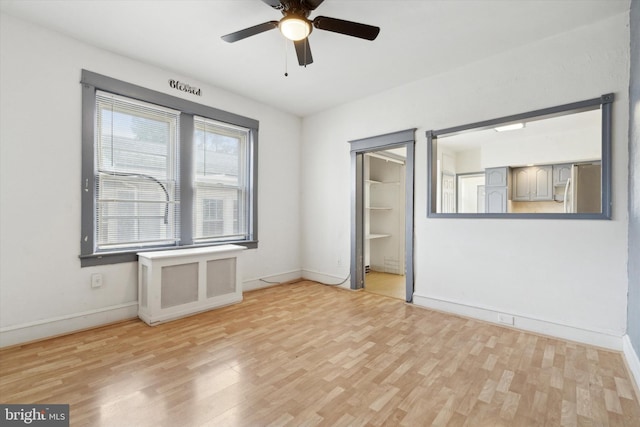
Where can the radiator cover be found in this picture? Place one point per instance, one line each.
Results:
(181, 282)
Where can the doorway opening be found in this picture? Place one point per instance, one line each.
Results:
(382, 214)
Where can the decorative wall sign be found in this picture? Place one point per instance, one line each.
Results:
(175, 84)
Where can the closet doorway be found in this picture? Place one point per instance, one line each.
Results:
(382, 214)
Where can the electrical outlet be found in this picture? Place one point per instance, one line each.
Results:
(506, 319)
(96, 280)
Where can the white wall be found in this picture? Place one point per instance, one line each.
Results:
(562, 277)
(632, 347)
(43, 290)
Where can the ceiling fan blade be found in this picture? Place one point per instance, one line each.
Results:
(303, 50)
(251, 31)
(348, 28)
(311, 4)
(274, 4)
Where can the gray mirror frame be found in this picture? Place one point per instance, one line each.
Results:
(604, 102)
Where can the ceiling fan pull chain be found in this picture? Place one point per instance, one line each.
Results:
(286, 74)
(305, 55)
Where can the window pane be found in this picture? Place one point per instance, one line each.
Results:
(136, 187)
(212, 217)
(220, 188)
(217, 154)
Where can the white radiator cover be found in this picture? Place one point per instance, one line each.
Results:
(181, 282)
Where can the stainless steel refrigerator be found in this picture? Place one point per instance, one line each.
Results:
(583, 191)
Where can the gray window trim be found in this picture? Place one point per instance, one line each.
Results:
(91, 82)
(605, 101)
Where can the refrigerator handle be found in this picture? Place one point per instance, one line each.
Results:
(566, 193)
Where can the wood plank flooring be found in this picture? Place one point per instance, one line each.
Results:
(308, 354)
(391, 285)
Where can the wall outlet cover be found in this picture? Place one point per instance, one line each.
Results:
(96, 280)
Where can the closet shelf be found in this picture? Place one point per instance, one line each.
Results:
(371, 181)
(380, 208)
(377, 236)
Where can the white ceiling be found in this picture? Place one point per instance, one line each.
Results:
(417, 39)
(550, 128)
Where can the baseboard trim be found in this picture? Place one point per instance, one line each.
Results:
(62, 325)
(268, 281)
(633, 363)
(527, 323)
(75, 322)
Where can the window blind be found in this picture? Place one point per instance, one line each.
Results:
(137, 194)
(220, 202)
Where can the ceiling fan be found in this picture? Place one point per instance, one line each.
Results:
(296, 26)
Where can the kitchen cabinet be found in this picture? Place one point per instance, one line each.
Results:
(496, 189)
(533, 183)
(561, 173)
(496, 199)
(496, 176)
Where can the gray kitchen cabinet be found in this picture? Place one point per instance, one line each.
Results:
(496, 189)
(533, 183)
(496, 176)
(561, 173)
(521, 186)
(495, 199)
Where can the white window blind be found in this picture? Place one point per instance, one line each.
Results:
(220, 202)
(137, 194)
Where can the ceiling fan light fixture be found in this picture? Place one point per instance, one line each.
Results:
(295, 28)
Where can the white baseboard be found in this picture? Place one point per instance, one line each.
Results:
(527, 323)
(276, 279)
(33, 331)
(47, 328)
(326, 279)
(633, 361)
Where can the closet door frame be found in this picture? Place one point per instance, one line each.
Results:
(359, 147)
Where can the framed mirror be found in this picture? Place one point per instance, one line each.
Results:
(550, 163)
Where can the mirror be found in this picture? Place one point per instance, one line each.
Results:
(550, 163)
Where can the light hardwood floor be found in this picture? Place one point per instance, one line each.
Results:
(391, 285)
(307, 354)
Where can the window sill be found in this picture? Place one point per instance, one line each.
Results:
(106, 258)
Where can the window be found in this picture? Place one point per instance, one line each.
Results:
(221, 163)
(162, 172)
(136, 176)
